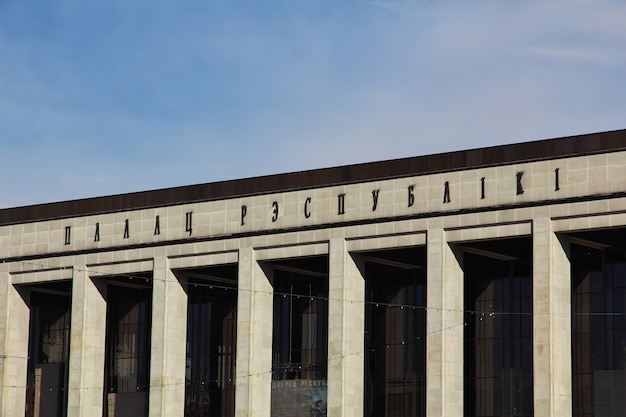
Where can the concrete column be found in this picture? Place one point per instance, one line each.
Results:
(552, 352)
(14, 318)
(444, 327)
(346, 326)
(87, 337)
(254, 338)
(167, 349)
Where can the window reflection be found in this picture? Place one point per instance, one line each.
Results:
(598, 330)
(498, 337)
(48, 355)
(210, 360)
(127, 349)
(300, 326)
(299, 344)
(395, 323)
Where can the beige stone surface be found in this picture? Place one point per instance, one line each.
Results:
(254, 338)
(589, 197)
(87, 338)
(552, 352)
(444, 328)
(581, 176)
(345, 332)
(167, 352)
(13, 346)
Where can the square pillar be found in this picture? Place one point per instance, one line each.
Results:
(552, 350)
(346, 327)
(14, 319)
(168, 336)
(87, 339)
(444, 327)
(255, 304)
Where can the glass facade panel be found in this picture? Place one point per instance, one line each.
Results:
(299, 344)
(211, 336)
(127, 361)
(498, 337)
(48, 351)
(598, 331)
(395, 341)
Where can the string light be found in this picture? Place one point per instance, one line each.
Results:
(40, 267)
(271, 292)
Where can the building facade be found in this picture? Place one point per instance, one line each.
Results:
(487, 282)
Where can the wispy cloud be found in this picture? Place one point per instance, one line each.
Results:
(402, 6)
(577, 54)
(139, 97)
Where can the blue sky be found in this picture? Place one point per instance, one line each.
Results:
(108, 97)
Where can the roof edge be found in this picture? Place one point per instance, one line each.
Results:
(585, 144)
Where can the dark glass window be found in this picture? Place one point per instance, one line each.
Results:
(299, 344)
(211, 335)
(395, 341)
(300, 326)
(498, 337)
(48, 351)
(127, 365)
(598, 330)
